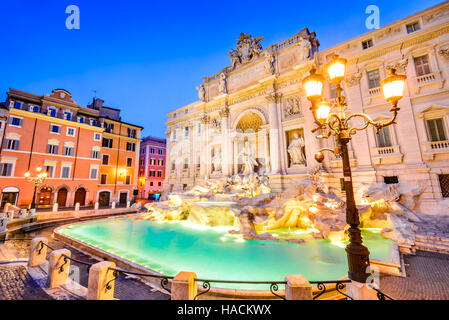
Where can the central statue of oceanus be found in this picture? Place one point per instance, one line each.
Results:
(249, 162)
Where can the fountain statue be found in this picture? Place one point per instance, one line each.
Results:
(249, 162)
(296, 150)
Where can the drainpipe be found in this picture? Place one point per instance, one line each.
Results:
(32, 144)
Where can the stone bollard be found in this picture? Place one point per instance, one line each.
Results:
(38, 252)
(101, 281)
(23, 213)
(3, 223)
(298, 288)
(360, 291)
(32, 213)
(184, 286)
(56, 275)
(113, 205)
(97, 205)
(10, 215)
(128, 204)
(77, 207)
(55, 208)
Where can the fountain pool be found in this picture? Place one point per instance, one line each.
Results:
(212, 253)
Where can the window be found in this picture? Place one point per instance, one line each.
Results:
(92, 122)
(413, 27)
(52, 149)
(104, 179)
(55, 128)
(444, 184)
(199, 128)
(11, 144)
(152, 162)
(160, 162)
(152, 150)
(18, 104)
(108, 127)
(373, 79)
(67, 115)
(130, 146)
(35, 109)
(128, 180)
(152, 173)
(68, 151)
(132, 133)
(52, 112)
(97, 136)
(50, 171)
(95, 154)
(107, 143)
(159, 174)
(105, 159)
(186, 130)
(391, 180)
(16, 122)
(65, 172)
(5, 169)
(129, 162)
(173, 165)
(186, 163)
(151, 183)
(81, 119)
(173, 135)
(367, 44)
(422, 65)
(93, 173)
(159, 183)
(160, 151)
(383, 138)
(71, 132)
(436, 130)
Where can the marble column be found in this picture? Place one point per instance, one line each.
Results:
(205, 120)
(267, 152)
(273, 100)
(225, 143)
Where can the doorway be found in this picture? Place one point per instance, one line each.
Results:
(123, 198)
(62, 197)
(9, 197)
(45, 195)
(104, 198)
(80, 196)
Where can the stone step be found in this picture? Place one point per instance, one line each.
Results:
(442, 242)
(432, 248)
(433, 245)
(431, 238)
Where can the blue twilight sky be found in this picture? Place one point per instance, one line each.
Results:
(146, 57)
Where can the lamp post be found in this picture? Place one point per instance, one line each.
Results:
(41, 176)
(142, 184)
(338, 124)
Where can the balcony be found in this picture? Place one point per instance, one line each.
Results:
(387, 155)
(372, 94)
(428, 81)
(433, 148)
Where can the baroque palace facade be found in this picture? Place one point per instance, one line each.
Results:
(258, 103)
(90, 155)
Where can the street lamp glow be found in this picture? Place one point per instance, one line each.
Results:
(38, 169)
(313, 85)
(393, 86)
(337, 68)
(27, 174)
(323, 111)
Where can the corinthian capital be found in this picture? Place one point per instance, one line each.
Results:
(224, 113)
(353, 79)
(205, 119)
(274, 97)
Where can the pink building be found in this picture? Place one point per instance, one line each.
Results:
(151, 167)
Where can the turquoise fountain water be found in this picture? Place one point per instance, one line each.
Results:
(212, 253)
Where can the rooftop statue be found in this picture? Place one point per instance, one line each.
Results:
(247, 47)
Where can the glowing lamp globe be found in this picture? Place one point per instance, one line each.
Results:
(313, 85)
(38, 169)
(27, 174)
(393, 86)
(323, 111)
(337, 68)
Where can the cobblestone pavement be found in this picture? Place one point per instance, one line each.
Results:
(427, 278)
(16, 284)
(433, 225)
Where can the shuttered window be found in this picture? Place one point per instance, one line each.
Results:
(383, 138)
(436, 130)
(5, 169)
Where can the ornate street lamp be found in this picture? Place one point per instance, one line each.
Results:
(41, 176)
(338, 124)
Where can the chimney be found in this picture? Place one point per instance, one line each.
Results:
(97, 104)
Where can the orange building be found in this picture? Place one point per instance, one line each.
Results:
(67, 141)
